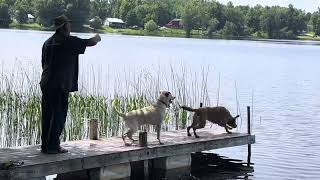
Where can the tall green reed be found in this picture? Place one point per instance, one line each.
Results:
(20, 100)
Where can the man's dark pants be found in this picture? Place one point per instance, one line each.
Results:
(54, 112)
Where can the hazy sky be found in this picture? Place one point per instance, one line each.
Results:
(308, 5)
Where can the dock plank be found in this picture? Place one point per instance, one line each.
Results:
(87, 154)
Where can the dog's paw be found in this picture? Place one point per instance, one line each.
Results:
(197, 136)
(127, 144)
(161, 143)
(189, 134)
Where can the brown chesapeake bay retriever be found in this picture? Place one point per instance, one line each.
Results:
(219, 115)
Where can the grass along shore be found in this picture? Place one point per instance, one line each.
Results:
(167, 32)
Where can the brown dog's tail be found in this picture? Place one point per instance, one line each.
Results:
(189, 109)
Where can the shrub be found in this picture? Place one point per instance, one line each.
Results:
(151, 26)
(96, 23)
(5, 19)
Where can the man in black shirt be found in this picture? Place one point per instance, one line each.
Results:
(60, 65)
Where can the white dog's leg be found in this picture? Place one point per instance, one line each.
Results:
(133, 127)
(128, 134)
(158, 133)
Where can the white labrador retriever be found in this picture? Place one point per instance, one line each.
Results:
(153, 115)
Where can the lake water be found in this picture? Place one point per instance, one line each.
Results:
(279, 79)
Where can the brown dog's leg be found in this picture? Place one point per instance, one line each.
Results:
(226, 128)
(124, 137)
(194, 132)
(200, 124)
(188, 130)
(195, 121)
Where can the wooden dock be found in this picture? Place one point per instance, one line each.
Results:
(91, 154)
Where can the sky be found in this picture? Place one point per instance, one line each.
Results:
(307, 5)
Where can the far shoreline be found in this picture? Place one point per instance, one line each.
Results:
(171, 33)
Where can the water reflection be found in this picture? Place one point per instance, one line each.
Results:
(206, 166)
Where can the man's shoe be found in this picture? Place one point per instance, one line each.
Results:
(44, 150)
(55, 151)
(62, 150)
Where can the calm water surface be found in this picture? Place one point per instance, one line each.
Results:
(280, 80)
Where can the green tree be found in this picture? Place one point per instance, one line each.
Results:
(190, 16)
(213, 26)
(21, 13)
(159, 10)
(230, 29)
(96, 23)
(48, 10)
(203, 15)
(141, 14)
(236, 19)
(316, 25)
(79, 12)
(9, 2)
(273, 20)
(5, 18)
(131, 19)
(125, 7)
(150, 26)
(254, 19)
(26, 5)
(100, 8)
(216, 10)
(315, 21)
(296, 20)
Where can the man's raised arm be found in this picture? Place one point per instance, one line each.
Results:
(94, 40)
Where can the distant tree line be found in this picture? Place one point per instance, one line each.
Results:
(209, 16)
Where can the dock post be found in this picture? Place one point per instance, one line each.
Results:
(93, 129)
(143, 139)
(249, 132)
(143, 142)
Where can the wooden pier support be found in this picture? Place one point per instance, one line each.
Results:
(113, 172)
(172, 167)
(39, 178)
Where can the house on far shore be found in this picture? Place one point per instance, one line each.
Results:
(175, 23)
(114, 22)
(30, 18)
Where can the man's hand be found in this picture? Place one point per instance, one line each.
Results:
(94, 40)
(97, 38)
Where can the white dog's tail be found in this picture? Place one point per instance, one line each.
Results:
(114, 106)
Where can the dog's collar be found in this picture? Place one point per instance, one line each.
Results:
(163, 102)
